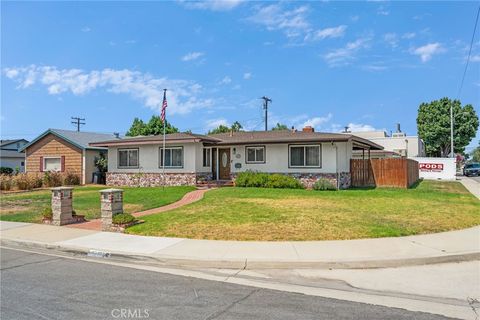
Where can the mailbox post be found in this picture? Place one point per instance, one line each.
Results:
(111, 204)
(62, 206)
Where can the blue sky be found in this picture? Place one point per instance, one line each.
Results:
(327, 64)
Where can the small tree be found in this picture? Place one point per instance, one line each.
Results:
(236, 126)
(476, 154)
(433, 124)
(280, 126)
(101, 163)
(153, 127)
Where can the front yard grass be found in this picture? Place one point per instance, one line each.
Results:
(283, 214)
(28, 206)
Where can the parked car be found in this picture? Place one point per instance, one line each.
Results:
(471, 169)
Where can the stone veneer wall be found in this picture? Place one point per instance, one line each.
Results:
(309, 179)
(150, 179)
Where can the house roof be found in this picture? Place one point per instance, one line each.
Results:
(11, 154)
(288, 136)
(79, 139)
(242, 137)
(10, 141)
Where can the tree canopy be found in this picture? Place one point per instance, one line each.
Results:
(236, 126)
(152, 127)
(280, 126)
(433, 124)
(476, 154)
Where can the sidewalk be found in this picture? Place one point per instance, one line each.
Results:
(453, 246)
(472, 185)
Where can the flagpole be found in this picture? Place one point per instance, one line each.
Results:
(164, 126)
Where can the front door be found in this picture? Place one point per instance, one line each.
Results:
(224, 164)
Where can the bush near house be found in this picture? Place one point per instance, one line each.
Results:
(323, 184)
(27, 181)
(6, 170)
(251, 179)
(122, 218)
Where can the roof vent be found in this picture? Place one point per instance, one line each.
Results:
(116, 134)
(293, 129)
(308, 129)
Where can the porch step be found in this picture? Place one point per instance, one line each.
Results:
(215, 184)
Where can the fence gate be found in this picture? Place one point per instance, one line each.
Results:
(362, 174)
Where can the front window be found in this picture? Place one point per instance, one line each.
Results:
(128, 158)
(206, 157)
(305, 156)
(173, 157)
(255, 154)
(52, 164)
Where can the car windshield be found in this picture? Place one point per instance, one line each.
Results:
(473, 166)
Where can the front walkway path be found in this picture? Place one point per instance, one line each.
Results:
(188, 198)
(472, 185)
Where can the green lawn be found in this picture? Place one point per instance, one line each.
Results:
(27, 207)
(281, 214)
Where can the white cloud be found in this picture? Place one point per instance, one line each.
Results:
(354, 18)
(391, 39)
(359, 127)
(131, 41)
(86, 29)
(317, 121)
(409, 35)
(343, 56)
(427, 51)
(226, 80)
(214, 5)
(183, 95)
(374, 67)
(334, 32)
(214, 123)
(192, 56)
(247, 75)
(292, 23)
(475, 58)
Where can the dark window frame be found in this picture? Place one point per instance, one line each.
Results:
(208, 163)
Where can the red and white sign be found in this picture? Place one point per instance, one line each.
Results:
(431, 167)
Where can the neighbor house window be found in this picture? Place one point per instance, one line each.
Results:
(52, 164)
(206, 157)
(305, 156)
(173, 157)
(255, 154)
(128, 158)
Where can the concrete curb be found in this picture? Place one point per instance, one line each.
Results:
(166, 261)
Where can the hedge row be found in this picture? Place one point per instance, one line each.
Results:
(27, 181)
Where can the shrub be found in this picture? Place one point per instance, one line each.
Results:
(71, 179)
(323, 184)
(283, 181)
(25, 181)
(6, 170)
(6, 182)
(265, 180)
(52, 179)
(123, 218)
(47, 213)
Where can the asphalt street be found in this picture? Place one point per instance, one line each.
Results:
(38, 286)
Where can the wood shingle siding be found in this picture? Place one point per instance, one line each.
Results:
(52, 146)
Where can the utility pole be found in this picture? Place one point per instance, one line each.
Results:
(266, 100)
(451, 131)
(78, 121)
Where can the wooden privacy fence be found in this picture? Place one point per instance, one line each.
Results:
(391, 172)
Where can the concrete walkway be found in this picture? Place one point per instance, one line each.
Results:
(453, 246)
(472, 185)
(188, 198)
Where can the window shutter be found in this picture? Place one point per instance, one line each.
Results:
(62, 164)
(41, 164)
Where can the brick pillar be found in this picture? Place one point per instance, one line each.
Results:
(111, 204)
(62, 205)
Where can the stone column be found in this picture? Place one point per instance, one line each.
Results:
(111, 204)
(62, 206)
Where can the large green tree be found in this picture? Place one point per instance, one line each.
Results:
(433, 125)
(236, 126)
(476, 154)
(280, 126)
(152, 127)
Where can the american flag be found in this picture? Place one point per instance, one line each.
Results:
(164, 105)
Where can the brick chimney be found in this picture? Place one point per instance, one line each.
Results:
(308, 129)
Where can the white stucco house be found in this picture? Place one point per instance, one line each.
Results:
(192, 158)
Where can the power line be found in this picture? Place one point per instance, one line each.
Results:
(78, 121)
(469, 53)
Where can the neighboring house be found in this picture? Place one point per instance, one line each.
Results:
(10, 156)
(190, 158)
(398, 143)
(65, 151)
